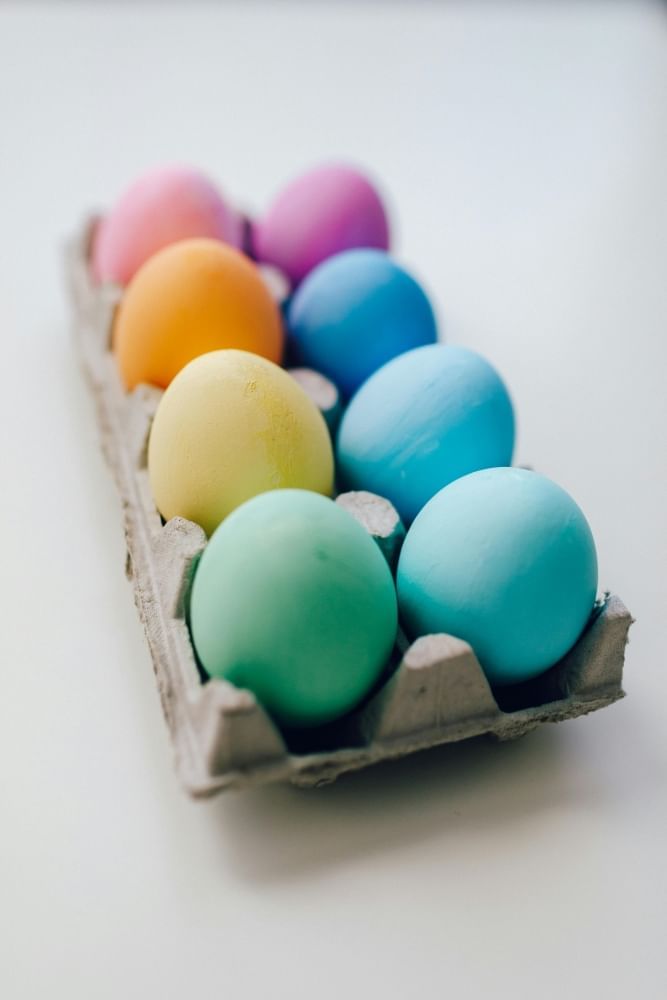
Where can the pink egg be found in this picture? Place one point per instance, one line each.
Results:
(161, 207)
(327, 210)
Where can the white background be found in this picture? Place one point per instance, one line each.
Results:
(523, 147)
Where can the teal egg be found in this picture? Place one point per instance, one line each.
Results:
(293, 600)
(424, 419)
(504, 559)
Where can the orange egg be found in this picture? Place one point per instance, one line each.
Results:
(192, 297)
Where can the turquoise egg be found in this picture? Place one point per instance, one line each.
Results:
(424, 419)
(504, 559)
(293, 600)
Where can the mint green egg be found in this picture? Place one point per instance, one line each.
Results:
(293, 600)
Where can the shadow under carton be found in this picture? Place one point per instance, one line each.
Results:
(436, 692)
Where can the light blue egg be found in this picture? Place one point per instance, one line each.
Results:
(356, 311)
(421, 421)
(505, 559)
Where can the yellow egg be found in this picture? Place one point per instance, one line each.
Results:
(229, 426)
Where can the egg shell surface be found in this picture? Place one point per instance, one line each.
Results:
(421, 421)
(323, 212)
(293, 600)
(504, 559)
(356, 311)
(162, 207)
(191, 298)
(229, 426)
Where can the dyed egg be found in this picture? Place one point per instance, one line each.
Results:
(422, 420)
(327, 210)
(190, 298)
(293, 600)
(505, 559)
(229, 426)
(356, 311)
(160, 208)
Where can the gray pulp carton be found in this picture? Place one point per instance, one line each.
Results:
(434, 690)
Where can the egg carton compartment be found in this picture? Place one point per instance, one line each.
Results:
(432, 692)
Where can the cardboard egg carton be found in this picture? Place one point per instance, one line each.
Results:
(433, 691)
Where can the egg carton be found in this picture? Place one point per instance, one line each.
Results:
(432, 692)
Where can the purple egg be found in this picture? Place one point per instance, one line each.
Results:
(323, 212)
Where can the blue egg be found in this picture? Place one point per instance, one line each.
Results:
(423, 420)
(356, 311)
(504, 559)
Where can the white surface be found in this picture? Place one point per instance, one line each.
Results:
(524, 149)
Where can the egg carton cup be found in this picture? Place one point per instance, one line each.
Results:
(433, 691)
